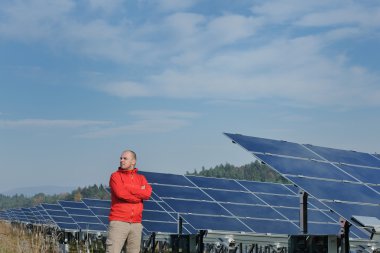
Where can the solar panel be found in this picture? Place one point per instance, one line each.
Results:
(233, 205)
(19, 215)
(345, 156)
(29, 215)
(202, 222)
(194, 206)
(342, 191)
(83, 216)
(216, 183)
(164, 178)
(60, 217)
(180, 192)
(345, 181)
(233, 197)
(253, 211)
(363, 174)
(307, 168)
(39, 218)
(268, 146)
(155, 218)
(261, 187)
(272, 226)
(4, 215)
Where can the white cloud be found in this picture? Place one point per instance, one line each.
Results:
(175, 5)
(51, 123)
(107, 7)
(33, 20)
(127, 89)
(148, 121)
(216, 56)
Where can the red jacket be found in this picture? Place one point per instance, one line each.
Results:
(127, 196)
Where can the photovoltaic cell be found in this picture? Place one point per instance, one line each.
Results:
(253, 211)
(83, 216)
(261, 187)
(163, 227)
(158, 216)
(338, 190)
(179, 192)
(308, 168)
(313, 215)
(345, 156)
(60, 217)
(96, 202)
(233, 197)
(197, 207)
(216, 183)
(365, 175)
(280, 201)
(272, 226)
(324, 229)
(349, 210)
(215, 223)
(262, 145)
(152, 205)
(169, 179)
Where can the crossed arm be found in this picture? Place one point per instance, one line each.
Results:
(130, 193)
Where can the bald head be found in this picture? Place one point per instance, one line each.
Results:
(128, 160)
(130, 152)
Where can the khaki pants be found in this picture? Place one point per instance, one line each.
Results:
(119, 232)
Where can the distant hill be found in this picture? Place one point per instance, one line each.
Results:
(47, 190)
(21, 200)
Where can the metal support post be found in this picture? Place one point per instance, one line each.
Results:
(303, 211)
(344, 235)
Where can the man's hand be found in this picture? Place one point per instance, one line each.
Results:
(143, 187)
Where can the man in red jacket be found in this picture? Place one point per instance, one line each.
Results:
(128, 190)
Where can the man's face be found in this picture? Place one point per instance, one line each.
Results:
(127, 161)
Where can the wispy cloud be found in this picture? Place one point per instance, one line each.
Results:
(265, 53)
(50, 123)
(148, 121)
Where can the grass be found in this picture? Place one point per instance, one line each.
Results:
(16, 238)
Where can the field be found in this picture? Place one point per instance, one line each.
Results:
(22, 239)
(16, 238)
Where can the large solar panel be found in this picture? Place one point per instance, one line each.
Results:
(347, 182)
(238, 205)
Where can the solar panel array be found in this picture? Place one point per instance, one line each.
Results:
(201, 203)
(347, 182)
(239, 205)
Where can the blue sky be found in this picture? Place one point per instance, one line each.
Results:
(82, 80)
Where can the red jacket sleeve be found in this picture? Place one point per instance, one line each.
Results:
(120, 191)
(142, 193)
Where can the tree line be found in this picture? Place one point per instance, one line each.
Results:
(254, 171)
(20, 200)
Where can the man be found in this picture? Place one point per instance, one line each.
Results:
(128, 190)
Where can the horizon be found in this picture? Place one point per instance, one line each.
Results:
(82, 81)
